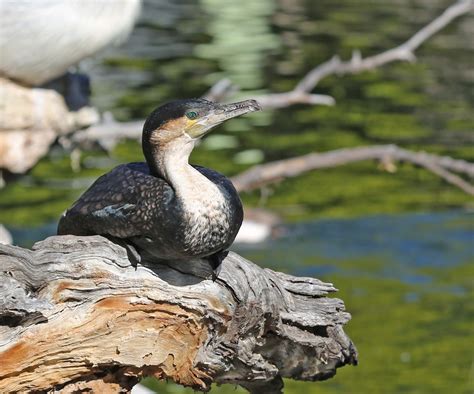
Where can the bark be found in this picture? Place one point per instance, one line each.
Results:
(75, 315)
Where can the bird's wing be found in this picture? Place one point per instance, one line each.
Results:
(117, 204)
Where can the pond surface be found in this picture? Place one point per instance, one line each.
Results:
(407, 280)
(406, 277)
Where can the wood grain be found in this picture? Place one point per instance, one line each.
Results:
(75, 315)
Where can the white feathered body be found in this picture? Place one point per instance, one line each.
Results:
(41, 39)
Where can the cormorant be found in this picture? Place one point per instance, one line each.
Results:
(166, 209)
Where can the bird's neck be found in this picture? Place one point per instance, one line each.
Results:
(171, 162)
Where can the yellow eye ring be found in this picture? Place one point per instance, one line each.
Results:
(191, 115)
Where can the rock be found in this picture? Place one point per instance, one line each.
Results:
(258, 226)
(30, 121)
(5, 236)
(20, 150)
(23, 108)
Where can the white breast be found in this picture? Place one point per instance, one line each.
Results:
(207, 215)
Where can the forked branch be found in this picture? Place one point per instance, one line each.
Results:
(110, 132)
(301, 94)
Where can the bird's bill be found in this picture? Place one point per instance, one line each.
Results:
(219, 114)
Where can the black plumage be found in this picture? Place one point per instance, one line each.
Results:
(161, 207)
(131, 204)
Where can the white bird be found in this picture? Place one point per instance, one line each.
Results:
(41, 39)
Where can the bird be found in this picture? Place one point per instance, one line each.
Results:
(41, 41)
(165, 209)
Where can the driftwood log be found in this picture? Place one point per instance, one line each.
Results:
(76, 316)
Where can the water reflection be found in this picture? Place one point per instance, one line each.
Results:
(241, 40)
(411, 240)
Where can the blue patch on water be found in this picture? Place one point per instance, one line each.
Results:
(26, 237)
(400, 244)
(428, 239)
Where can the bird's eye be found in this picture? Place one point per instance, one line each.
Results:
(191, 115)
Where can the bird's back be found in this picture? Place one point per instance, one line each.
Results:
(120, 203)
(132, 204)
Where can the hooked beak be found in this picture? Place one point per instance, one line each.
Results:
(219, 114)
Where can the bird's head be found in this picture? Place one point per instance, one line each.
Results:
(171, 130)
(190, 119)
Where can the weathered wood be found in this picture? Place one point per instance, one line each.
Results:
(442, 166)
(74, 314)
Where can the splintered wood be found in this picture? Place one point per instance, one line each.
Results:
(75, 315)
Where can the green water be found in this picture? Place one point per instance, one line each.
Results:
(181, 48)
(407, 279)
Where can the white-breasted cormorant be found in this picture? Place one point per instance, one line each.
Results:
(166, 209)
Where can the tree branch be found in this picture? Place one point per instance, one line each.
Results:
(442, 166)
(75, 315)
(405, 52)
(106, 134)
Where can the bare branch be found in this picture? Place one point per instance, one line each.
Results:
(461, 7)
(442, 166)
(221, 89)
(105, 134)
(282, 100)
(301, 94)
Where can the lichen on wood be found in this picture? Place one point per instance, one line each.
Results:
(75, 315)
